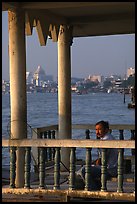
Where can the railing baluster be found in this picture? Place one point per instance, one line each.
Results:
(133, 152)
(40, 136)
(53, 149)
(121, 134)
(45, 137)
(88, 169)
(42, 157)
(88, 164)
(72, 168)
(42, 168)
(87, 134)
(103, 170)
(120, 170)
(120, 164)
(49, 149)
(27, 167)
(57, 169)
(12, 166)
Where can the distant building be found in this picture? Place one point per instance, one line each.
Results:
(95, 78)
(29, 77)
(118, 83)
(130, 71)
(114, 77)
(5, 86)
(39, 76)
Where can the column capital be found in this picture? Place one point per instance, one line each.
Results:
(16, 16)
(65, 34)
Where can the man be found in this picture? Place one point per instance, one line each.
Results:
(103, 133)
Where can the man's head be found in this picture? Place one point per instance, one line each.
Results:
(102, 127)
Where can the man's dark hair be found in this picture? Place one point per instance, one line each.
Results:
(105, 124)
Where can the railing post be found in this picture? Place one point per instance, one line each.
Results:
(12, 166)
(133, 153)
(133, 138)
(120, 164)
(41, 167)
(120, 170)
(57, 169)
(72, 169)
(88, 169)
(121, 134)
(27, 167)
(134, 179)
(103, 170)
(88, 165)
(87, 132)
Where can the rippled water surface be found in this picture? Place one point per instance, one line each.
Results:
(86, 109)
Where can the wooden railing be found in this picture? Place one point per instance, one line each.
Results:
(51, 132)
(42, 145)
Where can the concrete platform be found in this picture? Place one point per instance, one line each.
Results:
(64, 194)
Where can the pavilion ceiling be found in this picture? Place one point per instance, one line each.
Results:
(85, 18)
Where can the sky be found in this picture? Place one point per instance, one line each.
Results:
(103, 55)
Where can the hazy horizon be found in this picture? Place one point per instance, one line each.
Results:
(104, 55)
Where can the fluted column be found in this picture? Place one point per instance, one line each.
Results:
(17, 63)
(64, 89)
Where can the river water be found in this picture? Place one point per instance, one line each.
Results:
(42, 110)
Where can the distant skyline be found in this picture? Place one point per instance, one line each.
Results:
(103, 55)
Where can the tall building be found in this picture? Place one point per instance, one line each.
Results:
(39, 76)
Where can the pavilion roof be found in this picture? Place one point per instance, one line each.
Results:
(85, 18)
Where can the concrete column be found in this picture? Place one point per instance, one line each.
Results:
(64, 89)
(18, 103)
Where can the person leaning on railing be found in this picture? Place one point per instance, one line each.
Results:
(103, 133)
